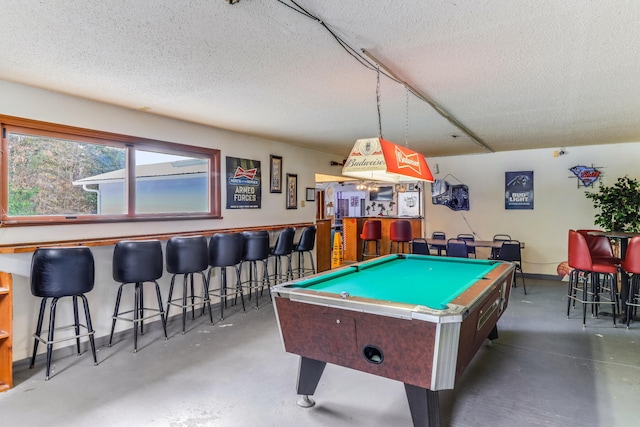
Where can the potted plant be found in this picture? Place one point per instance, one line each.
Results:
(618, 205)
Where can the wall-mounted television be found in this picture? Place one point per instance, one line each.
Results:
(383, 194)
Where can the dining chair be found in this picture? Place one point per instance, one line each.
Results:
(457, 248)
(498, 238)
(440, 235)
(419, 246)
(510, 251)
(471, 250)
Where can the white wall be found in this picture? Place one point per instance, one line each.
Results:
(559, 205)
(32, 103)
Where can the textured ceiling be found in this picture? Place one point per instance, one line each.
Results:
(516, 74)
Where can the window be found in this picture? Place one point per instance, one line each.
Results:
(53, 173)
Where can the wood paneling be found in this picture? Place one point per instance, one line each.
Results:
(352, 227)
(323, 244)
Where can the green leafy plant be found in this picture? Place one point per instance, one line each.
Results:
(618, 205)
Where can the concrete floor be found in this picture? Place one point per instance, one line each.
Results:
(544, 370)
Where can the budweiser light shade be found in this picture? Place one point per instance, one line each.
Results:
(376, 159)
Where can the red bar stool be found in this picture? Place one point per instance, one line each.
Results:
(602, 252)
(631, 265)
(600, 247)
(399, 233)
(371, 232)
(581, 262)
(57, 273)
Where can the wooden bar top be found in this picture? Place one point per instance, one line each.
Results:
(106, 241)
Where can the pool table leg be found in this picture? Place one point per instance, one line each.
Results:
(424, 405)
(309, 373)
(493, 335)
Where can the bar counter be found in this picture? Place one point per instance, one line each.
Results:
(352, 228)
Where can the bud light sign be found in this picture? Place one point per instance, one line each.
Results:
(518, 190)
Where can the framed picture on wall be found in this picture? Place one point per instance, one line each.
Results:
(275, 175)
(292, 191)
(311, 195)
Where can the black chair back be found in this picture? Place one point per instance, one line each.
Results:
(457, 248)
(187, 254)
(510, 251)
(498, 238)
(307, 239)
(284, 243)
(419, 246)
(256, 245)
(468, 238)
(225, 250)
(62, 272)
(137, 261)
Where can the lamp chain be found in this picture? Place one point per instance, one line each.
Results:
(378, 101)
(406, 129)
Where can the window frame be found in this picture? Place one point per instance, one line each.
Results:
(130, 144)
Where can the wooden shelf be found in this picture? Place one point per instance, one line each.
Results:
(6, 315)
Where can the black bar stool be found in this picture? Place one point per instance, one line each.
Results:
(225, 250)
(136, 262)
(282, 248)
(57, 273)
(256, 249)
(188, 256)
(305, 245)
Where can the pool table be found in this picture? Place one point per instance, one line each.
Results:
(417, 319)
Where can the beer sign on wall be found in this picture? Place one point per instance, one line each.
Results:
(244, 183)
(587, 175)
(518, 190)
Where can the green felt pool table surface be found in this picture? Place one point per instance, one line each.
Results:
(410, 279)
